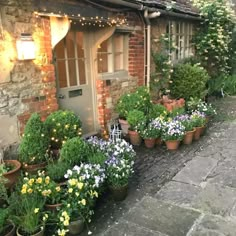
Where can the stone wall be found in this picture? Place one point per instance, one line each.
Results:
(25, 86)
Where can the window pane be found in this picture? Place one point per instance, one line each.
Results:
(80, 42)
(103, 57)
(82, 76)
(60, 50)
(72, 72)
(119, 52)
(61, 73)
(70, 46)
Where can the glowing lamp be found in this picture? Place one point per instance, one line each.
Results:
(25, 47)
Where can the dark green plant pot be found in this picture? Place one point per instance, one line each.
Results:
(75, 227)
(119, 193)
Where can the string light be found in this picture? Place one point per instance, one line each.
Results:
(98, 21)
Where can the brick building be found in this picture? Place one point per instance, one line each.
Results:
(87, 53)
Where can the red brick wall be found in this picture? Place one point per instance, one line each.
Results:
(46, 102)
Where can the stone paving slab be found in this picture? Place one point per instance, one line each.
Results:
(125, 228)
(178, 193)
(162, 217)
(214, 226)
(224, 177)
(215, 199)
(196, 170)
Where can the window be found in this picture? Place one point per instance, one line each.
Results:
(181, 34)
(70, 60)
(112, 54)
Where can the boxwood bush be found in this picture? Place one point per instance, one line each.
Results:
(189, 81)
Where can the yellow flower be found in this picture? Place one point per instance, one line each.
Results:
(73, 182)
(39, 180)
(23, 191)
(45, 193)
(66, 222)
(80, 185)
(95, 194)
(47, 180)
(58, 188)
(83, 202)
(31, 181)
(36, 210)
(30, 190)
(70, 190)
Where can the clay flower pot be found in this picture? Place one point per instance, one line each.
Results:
(150, 142)
(124, 126)
(172, 144)
(198, 132)
(188, 137)
(53, 207)
(76, 227)
(9, 229)
(12, 175)
(19, 232)
(33, 169)
(135, 138)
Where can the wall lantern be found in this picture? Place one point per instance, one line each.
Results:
(25, 47)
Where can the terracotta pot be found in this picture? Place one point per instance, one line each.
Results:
(203, 129)
(53, 207)
(172, 144)
(197, 133)
(32, 169)
(124, 126)
(150, 142)
(12, 175)
(135, 138)
(75, 227)
(119, 193)
(9, 230)
(188, 137)
(21, 233)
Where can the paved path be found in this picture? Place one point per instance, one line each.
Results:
(190, 192)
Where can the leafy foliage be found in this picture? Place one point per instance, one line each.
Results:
(63, 125)
(135, 117)
(35, 141)
(74, 151)
(189, 81)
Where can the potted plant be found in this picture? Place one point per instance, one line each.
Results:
(118, 172)
(139, 100)
(63, 125)
(207, 109)
(151, 132)
(173, 133)
(187, 122)
(50, 191)
(27, 213)
(7, 227)
(74, 151)
(135, 119)
(199, 121)
(10, 170)
(34, 145)
(83, 183)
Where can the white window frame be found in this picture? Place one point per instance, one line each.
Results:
(181, 40)
(111, 55)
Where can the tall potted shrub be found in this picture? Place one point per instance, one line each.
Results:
(135, 119)
(34, 145)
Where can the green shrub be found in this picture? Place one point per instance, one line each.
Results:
(135, 118)
(189, 81)
(4, 214)
(74, 151)
(63, 125)
(139, 100)
(157, 110)
(56, 171)
(97, 158)
(176, 112)
(35, 141)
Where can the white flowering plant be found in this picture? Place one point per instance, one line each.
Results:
(173, 130)
(198, 118)
(186, 121)
(153, 129)
(83, 183)
(206, 108)
(118, 171)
